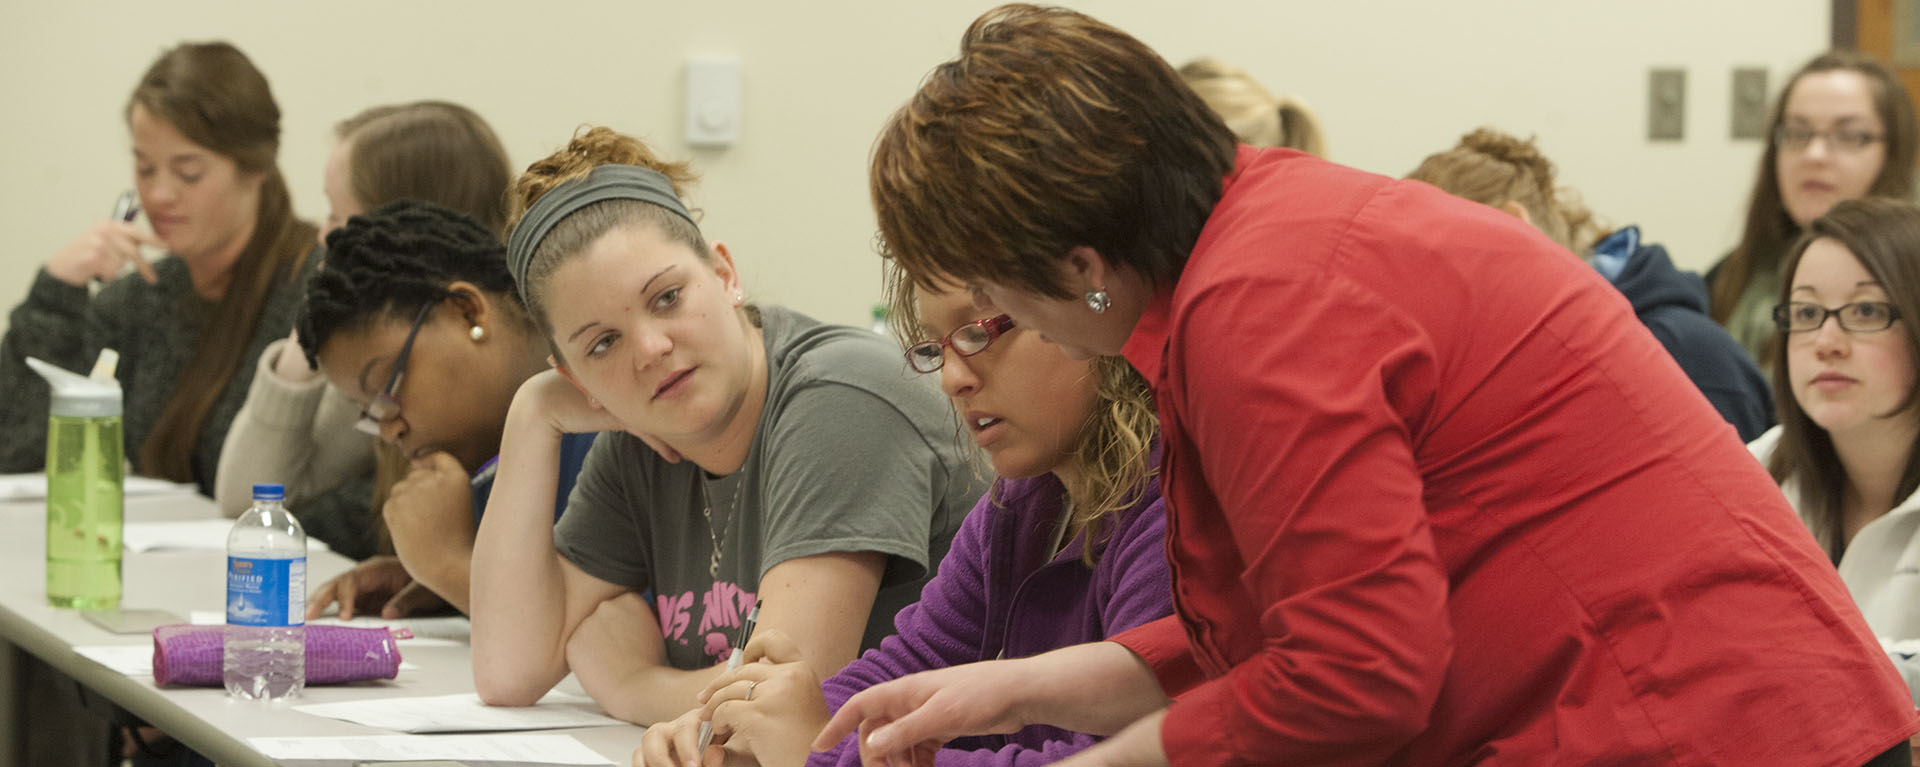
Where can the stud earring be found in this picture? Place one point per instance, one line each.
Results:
(477, 333)
(739, 298)
(1098, 301)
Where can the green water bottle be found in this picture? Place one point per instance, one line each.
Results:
(85, 475)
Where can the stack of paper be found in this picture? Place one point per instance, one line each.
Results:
(503, 749)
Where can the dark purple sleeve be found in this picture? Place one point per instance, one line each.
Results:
(942, 629)
(1134, 588)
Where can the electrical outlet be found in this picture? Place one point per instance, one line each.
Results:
(1750, 102)
(1667, 105)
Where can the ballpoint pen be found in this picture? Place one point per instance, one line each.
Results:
(733, 662)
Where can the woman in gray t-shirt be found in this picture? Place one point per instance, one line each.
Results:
(758, 455)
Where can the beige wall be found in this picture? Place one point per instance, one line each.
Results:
(1393, 80)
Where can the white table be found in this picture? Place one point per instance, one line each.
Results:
(186, 581)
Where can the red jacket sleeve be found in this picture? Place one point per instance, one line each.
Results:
(1300, 423)
(1162, 645)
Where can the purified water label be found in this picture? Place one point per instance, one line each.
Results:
(266, 592)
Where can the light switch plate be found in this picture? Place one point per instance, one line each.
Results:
(713, 101)
(1667, 105)
(1750, 102)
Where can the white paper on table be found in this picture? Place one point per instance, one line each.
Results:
(201, 534)
(27, 487)
(464, 713)
(439, 629)
(512, 749)
(132, 660)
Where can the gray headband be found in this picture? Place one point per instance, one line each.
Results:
(607, 182)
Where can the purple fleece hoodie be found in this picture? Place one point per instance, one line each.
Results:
(993, 598)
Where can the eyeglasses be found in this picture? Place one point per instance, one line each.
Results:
(966, 341)
(1797, 138)
(385, 406)
(1857, 317)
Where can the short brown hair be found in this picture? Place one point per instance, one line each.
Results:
(432, 151)
(1050, 131)
(1883, 234)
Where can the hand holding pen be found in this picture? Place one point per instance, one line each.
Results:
(107, 250)
(733, 664)
(776, 725)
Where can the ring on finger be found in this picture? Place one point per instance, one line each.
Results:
(750, 684)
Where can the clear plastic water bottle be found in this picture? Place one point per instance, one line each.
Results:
(266, 654)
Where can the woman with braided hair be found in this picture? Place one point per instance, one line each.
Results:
(1496, 169)
(753, 456)
(413, 317)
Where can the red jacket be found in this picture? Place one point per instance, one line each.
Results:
(1435, 497)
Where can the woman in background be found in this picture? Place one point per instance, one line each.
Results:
(1843, 128)
(1848, 382)
(1066, 547)
(1493, 168)
(188, 328)
(297, 430)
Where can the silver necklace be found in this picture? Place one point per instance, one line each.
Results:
(719, 534)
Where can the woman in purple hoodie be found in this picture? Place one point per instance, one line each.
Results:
(1067, 547)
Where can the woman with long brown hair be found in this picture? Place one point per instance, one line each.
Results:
(187, 327)
(1843, 128)
(1846, 380)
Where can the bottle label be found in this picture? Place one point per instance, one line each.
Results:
(266, 592)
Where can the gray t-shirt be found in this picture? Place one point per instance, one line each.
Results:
(854, 452)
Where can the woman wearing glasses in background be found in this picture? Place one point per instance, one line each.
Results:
(1849, 420)
(413, 317)
(1842, 129)
(1068, 546)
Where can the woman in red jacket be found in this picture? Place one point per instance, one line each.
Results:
(1434, 497)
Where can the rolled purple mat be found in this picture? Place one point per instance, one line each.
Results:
(190, 655)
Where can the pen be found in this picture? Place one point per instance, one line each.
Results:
(125, 208)
(733, 662)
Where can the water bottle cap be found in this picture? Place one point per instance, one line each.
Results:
(269, 491)
(77, 395)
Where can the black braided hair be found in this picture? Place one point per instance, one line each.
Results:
(394, 260)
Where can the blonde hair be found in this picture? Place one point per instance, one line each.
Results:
(1494, 168)
(1255, 116)
(1113, 455)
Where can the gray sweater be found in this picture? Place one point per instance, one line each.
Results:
(154, 328)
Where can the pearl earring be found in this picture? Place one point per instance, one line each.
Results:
(477, 333)
(1098, 301)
